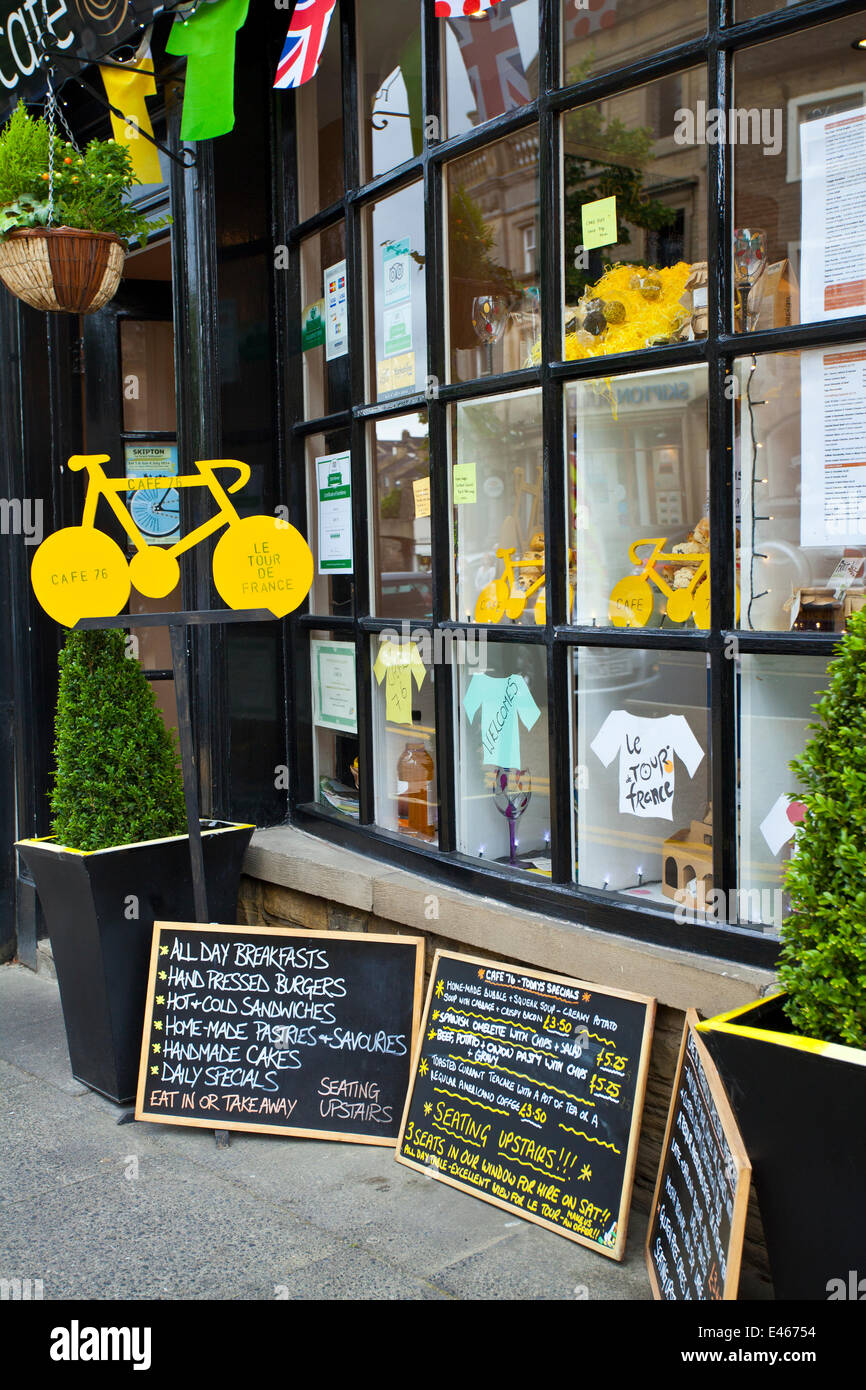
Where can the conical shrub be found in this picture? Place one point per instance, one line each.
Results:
(823, 961)
(117, 776)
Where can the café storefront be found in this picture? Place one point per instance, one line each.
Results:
(526, 321)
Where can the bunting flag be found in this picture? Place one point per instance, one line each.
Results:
(207, 40)
(491, 56)
(455, 9)
(308, 30)
(585, 17)
(126, 90)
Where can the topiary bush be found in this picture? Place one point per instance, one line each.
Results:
(117, 777)
(823, 961)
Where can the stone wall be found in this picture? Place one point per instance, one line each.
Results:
(270, 904)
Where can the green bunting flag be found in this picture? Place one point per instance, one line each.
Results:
(208, 42)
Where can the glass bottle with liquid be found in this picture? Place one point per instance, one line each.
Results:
(416, 785)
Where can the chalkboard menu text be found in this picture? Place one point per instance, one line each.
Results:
(695, 1237)
(527, 1092)
(284, 1031)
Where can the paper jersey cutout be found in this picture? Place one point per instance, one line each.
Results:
(503, 701)
(79, 572)
(646, 749)
(398, 664)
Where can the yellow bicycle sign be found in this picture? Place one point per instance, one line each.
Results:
(80, 572)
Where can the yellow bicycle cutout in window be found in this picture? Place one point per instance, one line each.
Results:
(631, 599)
(80, 572)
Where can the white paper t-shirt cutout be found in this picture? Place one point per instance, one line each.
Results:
(646, 749)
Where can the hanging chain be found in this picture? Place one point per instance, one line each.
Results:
(53, 113)
(50, 115)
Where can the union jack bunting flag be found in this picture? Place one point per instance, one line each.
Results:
(491, 56)
(305, 40)
(455, 9)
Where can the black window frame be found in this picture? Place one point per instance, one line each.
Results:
(559, 896)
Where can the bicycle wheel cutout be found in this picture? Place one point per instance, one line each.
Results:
(79, 572)
(262, 562)
(490, 604)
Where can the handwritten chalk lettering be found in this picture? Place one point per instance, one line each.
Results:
(240, 1025)
(689, 1246)
(521, 1122)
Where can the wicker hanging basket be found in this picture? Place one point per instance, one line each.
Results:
(61, 269)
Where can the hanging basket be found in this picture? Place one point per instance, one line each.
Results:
(61, 269)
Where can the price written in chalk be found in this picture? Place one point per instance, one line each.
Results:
(525, 1093)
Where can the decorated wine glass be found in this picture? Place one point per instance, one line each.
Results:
(512, 790)
(750, 259)
(489, 320)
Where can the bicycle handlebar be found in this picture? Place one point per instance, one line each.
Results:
(79, 461)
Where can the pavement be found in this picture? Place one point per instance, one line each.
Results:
(98, 1210)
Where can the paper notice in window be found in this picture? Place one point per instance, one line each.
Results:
(833, 193)
(833, 447)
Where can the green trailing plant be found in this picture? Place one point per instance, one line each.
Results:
(823, 961)
(117, 777)
(90, 188)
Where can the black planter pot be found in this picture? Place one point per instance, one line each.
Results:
(801, 1107)
(102, 948)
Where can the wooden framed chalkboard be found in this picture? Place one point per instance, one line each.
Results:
(280, 1031)
(695, 1238)
(527, 1091)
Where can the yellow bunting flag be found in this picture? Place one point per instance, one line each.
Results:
(400, 663)
(126, 89)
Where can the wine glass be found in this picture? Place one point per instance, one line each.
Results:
(489, 320)
(512, 790)
(750, 258)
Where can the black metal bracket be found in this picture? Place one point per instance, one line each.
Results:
(186, 159)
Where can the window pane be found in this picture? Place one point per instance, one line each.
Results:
(397, 292)
(389, 86)
(147, 355)
(799, 449)
(800, 177)
(643, 823)
(404, 736)
(329, 512)
(324, 333)
(335, 724)
(503, 787)
(750, 9)
(403, 576)
(492, 200)
(319, 126)
(491, 63)
(776, 698)
(649, 286)
(638, 504)
(601, 34)
(497, 450)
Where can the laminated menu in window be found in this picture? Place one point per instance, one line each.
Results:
(503, 700)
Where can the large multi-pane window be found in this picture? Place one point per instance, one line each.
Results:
(584, 397)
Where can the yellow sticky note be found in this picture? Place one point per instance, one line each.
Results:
(464, 483)
(598, 223)
(421, 489)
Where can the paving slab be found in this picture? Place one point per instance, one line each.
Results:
(100, 1210)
